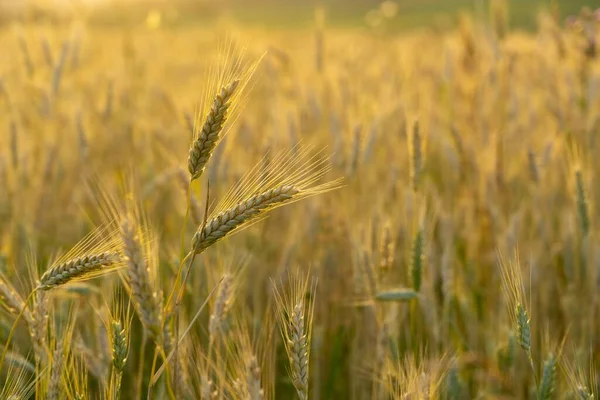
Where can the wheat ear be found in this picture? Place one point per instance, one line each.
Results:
(77, 268)
(209, 136)
(295, 315)
(288, 177)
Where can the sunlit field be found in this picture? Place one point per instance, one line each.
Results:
(194, 205)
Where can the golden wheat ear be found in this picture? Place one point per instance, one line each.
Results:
(229, 78)
(288, 177)
(139, 251)
(95, 255)
(295, 310)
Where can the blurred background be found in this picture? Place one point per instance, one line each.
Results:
(463, 129)
(397, 15)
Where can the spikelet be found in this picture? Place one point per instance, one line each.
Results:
(291, 176)
(95, 255)
(295, 314)
(221, 105)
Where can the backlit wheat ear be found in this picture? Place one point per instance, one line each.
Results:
(97, 254)
(222, 103)
(295, 314)
(289, 177)
(209, 135)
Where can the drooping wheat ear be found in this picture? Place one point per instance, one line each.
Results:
(221, 306)
(95, 255)
(290, 176)
(209, 136)
(78, 268)
(416, 156)
(548, 384)
(417, 258)
(255, 392)
(145, 298)
(582, 205)
(295, 315)
(226, 222)
(12, 301)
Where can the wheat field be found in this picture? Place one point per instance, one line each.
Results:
(236, 212)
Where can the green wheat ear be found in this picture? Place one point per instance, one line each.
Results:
(548, 384)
